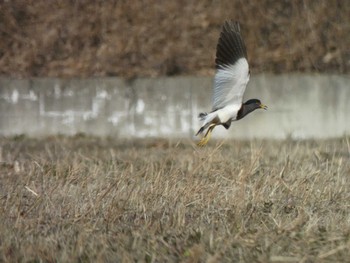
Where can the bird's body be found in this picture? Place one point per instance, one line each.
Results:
(230, 82)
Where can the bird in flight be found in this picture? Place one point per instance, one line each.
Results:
(230, 82)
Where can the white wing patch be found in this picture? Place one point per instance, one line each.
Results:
(230, 83)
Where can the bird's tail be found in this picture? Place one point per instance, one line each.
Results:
(207, 119)
(202, 116)
(201, 130)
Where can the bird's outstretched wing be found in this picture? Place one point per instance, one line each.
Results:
(232, 67)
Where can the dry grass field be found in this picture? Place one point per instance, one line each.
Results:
(83, 199)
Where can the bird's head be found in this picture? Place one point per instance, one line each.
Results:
(255, 104)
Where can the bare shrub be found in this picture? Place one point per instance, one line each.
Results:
(150, 38)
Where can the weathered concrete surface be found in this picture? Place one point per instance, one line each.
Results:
(300, 106)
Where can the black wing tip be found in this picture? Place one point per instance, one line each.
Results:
(230, 46)
(232, 25)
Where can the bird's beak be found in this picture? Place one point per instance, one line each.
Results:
(262, 106)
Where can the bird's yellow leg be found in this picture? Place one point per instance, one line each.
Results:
(207, 136)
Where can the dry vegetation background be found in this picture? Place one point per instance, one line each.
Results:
(63, 38)
(91, 200)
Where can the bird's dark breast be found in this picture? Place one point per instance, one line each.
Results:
(240, 114)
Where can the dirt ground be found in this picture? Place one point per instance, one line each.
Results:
(66, 38)
(81, 199)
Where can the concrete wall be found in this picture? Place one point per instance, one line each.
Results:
(300, 106)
